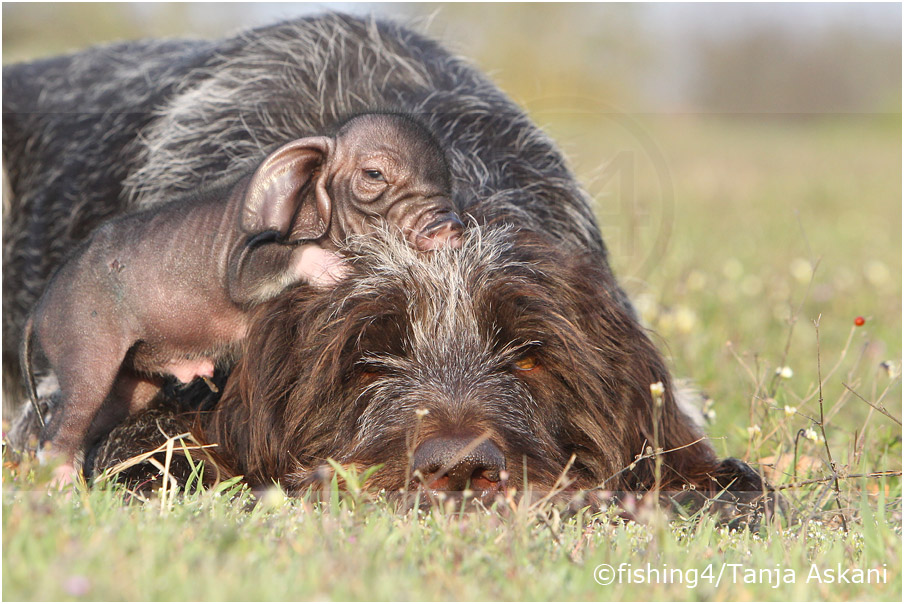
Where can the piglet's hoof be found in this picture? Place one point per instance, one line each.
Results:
(64, 476)
(64, 472)
(320, 267)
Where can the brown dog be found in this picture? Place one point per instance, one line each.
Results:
(508, 343)
(521, 346)
(505, 364)
(168, 291)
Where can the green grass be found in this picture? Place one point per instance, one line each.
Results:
(208, 546)
(755, 204)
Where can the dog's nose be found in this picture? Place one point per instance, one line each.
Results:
(457, 463)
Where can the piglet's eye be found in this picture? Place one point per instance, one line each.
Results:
(374, 175)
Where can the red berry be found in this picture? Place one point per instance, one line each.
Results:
(859, 321)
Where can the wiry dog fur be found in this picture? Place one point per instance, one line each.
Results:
(133, 124)
(340, 374)
(343, 374)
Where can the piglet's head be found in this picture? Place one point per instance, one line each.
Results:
(380, 168)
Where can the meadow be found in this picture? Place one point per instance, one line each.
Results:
(751, 245)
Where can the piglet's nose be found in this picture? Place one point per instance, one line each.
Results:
(444, 232)
(452, 464)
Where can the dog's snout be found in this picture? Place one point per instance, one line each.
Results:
(457, 464)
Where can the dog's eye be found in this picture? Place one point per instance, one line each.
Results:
(369, 372)
(374, 175)
(369, 376)
(527, 363)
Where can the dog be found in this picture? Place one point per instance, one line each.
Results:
(509, 362)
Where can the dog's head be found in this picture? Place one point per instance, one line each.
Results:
(505, 361)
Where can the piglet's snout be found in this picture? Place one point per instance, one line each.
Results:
(445, 231)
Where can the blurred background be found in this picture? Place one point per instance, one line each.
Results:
(736, 58)
(745, 160)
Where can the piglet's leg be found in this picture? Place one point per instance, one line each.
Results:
(131, 393)
(86, 369)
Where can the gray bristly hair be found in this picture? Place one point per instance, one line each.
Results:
(134, 124)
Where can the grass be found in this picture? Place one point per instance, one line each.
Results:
(208, 546)
(773, 225)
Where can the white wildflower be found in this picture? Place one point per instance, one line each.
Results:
(657, 389)
(801, 270)
(785, 372)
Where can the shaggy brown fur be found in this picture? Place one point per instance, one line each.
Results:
(347, 374)
(343, 374)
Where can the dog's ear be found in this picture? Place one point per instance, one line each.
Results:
(287, 193)
(624, 375)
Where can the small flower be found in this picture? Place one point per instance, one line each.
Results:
(801, 270)
(77, 585)
(709, 411)
(647, 307)
(789, 410)
(685, 319)
(811, 434)
(657, 389)
(877, 272)
(751, 285)
(753, 430)
(785, 372)
(733, 269)
(272, 498)
(695, 280)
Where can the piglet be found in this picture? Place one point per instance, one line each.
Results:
(169, 291)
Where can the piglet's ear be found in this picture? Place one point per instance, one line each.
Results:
(287, 193)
